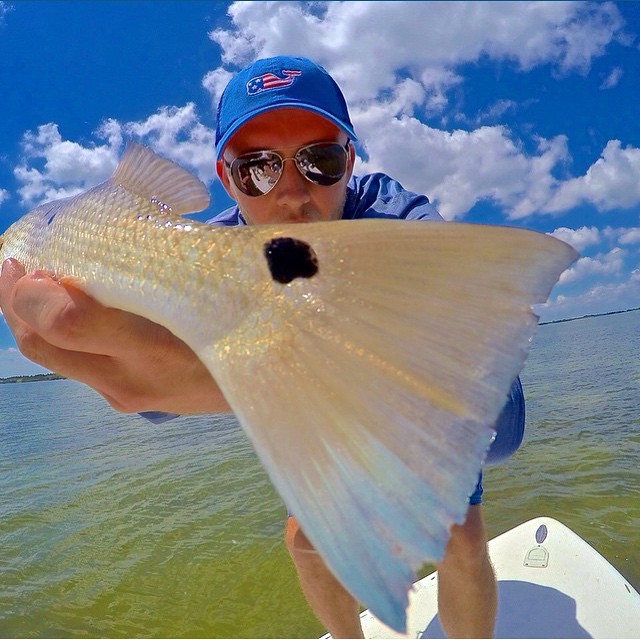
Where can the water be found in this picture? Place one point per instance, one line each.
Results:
(111, 527)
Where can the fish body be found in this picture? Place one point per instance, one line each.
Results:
(367, 361)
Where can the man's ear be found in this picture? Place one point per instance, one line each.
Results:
(223, 176)
(352, 160)
(220, 171)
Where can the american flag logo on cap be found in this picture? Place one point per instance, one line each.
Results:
(268, 81)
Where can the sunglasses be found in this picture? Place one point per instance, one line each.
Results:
(256, 173)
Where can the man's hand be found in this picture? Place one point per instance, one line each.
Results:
(135, 364)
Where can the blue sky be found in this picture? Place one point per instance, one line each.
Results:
(512, 113)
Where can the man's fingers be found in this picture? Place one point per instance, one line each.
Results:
(31, 343)
(12, 271)
(135, 364)
(58, 315)
(66, 317)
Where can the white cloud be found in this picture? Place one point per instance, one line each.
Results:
(580, 238)
(630, 236)
(598, 298)
(607, 264)
(612, 181)
(346, 37)
(496, 110)
(456, 168)
(4, 196)
(177, 133)
(460, 168)
(214, 82)
(612, 79)
(54, 168)
(604, 282)
(395, 66)
(5, 7)
(64, 168)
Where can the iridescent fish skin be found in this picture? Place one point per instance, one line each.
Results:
(367, 361)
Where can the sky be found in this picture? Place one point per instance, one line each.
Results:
(510, 113)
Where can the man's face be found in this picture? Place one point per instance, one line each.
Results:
(294, 198)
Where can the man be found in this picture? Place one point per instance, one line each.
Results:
(284, 153)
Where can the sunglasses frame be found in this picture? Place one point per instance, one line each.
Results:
(231, 174)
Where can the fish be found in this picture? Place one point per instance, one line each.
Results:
(367, 361)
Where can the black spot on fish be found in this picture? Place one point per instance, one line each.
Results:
(289, 259)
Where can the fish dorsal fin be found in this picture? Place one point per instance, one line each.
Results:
(147, 174)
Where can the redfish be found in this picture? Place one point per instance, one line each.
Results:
(366, 360)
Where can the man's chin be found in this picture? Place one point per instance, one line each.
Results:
(297, 219)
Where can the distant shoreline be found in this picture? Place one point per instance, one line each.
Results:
(54, 376)
(593, 315)
(39, 377)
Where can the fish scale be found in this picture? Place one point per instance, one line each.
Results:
(367, 361)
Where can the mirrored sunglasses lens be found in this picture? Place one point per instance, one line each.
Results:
(324, 164)
(256, 174)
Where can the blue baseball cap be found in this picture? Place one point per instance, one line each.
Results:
(273, 83)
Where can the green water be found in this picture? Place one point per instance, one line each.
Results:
(111, 527)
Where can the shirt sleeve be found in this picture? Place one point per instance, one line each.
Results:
(509, 426)
(158, 417)
(377, 195)
(230, 217)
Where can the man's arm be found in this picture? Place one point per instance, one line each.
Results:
(135, 364)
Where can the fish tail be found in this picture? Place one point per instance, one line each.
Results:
(372, 379)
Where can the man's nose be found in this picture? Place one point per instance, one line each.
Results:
(293, 188)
